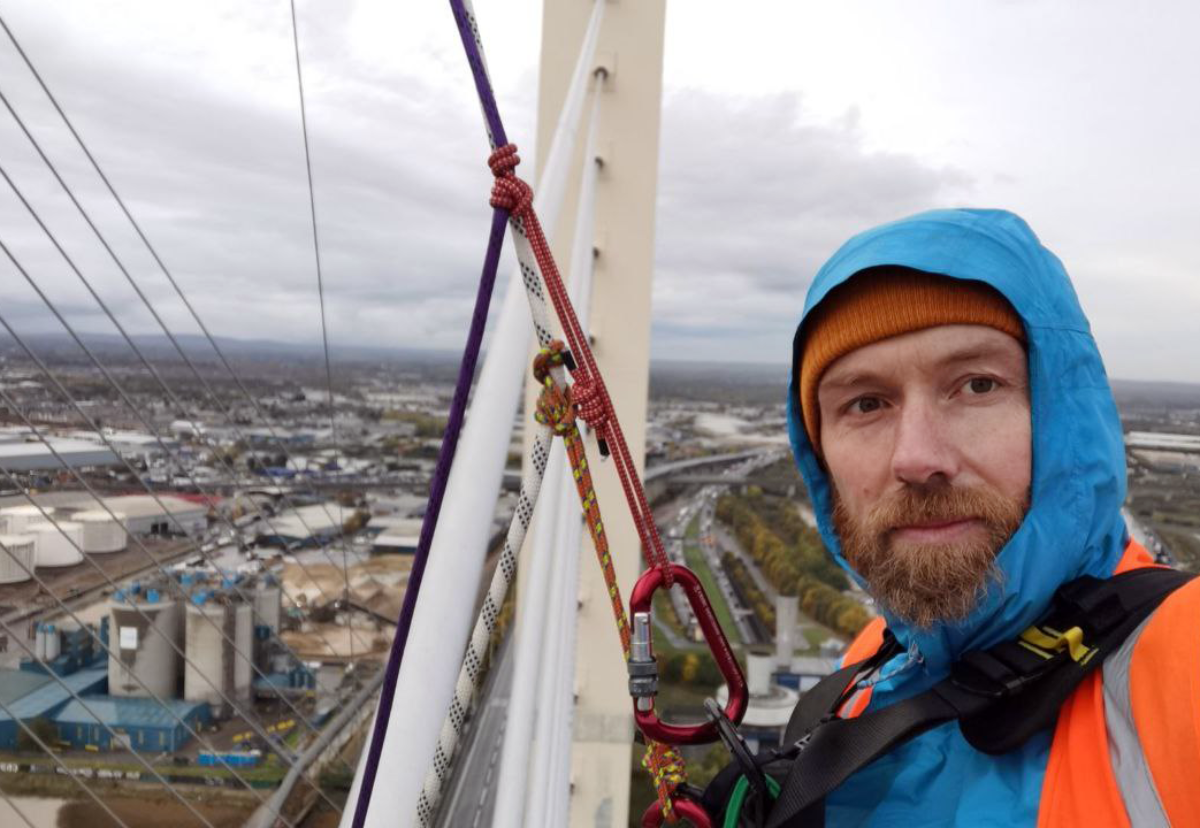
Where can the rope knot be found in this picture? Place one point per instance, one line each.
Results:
(509, 193)
(591, 403)
(553, 406)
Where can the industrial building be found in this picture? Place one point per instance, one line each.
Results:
(148, 630)
(141, 515)
(395, 535)
(140, 724)
(164, 515)
(305, 526)
(19, 455)
(30, 696)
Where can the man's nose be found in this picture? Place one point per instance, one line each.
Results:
(922, 450)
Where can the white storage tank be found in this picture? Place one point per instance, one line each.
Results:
(24, 549)
(215, 623)
(102, 532)
(17, 519)
(141, 644)
(58, 544)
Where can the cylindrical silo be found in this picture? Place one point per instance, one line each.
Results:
(141, 645)
(53, 642)
(267, 605)
(216, 622)
(18, 518)
(14, 548)
(102, 532)
(57, 544)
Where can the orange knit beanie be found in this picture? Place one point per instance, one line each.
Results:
(883, 302)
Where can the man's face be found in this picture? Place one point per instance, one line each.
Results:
(927, 439)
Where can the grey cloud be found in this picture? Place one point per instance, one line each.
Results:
(752, 199)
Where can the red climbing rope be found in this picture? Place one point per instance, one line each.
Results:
(589, 393)
(556, 408)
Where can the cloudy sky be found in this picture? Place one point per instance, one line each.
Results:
(786, 128)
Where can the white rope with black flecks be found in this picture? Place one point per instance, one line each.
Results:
(531, 483)
(485, 624)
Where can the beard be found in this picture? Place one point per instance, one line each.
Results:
(929, 583)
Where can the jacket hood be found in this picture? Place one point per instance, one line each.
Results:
(1074, 525)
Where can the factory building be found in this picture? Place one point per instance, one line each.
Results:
(164, 515)
(30, 696)
(141, 624)
(139, 724)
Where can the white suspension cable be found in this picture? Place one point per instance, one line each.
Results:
(526, 758)
(171, 396)
(266, 420)
(441, 622)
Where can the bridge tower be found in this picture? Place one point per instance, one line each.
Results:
(630, 50)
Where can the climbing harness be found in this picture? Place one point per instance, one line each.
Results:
(1000, 697)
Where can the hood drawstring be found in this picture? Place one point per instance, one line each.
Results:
(912, 658)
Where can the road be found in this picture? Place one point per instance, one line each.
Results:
(470, 797)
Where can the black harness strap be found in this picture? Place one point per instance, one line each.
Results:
(1000, 696)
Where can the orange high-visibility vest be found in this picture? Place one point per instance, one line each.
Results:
(1126, 748)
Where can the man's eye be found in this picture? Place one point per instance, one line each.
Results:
(865, 405)
(981, 385)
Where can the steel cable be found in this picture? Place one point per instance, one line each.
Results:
(54, 380)
(29, 571)
(154, 254)
(146, 363)
(312, 204)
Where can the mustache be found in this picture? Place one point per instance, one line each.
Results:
(914, 506)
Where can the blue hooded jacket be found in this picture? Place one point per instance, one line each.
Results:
(1073, 527)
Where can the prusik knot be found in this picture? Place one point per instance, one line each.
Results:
(509, 193)
(554, 406)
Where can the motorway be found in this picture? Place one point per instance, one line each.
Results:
(470, 796)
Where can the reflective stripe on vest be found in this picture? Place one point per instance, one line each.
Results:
(1130, 771)
(1127, 743)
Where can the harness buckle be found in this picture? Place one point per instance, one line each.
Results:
(644, 714)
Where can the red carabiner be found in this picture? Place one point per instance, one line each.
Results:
(689, 809)
(739, 696)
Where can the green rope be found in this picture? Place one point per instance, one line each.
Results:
(733, 811)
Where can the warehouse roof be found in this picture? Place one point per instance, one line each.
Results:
(50, 695)
(140, 506)
(122, 712)
(16, 684)
(37, 456)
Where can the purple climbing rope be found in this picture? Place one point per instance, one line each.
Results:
(458, 407)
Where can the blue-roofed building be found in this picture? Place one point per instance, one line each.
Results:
(142, 724)
(29, 696)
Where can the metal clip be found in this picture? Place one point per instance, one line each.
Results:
(643, 667)
(739, 694)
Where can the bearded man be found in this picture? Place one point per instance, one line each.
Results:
(951, 417)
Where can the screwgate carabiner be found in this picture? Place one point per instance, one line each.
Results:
(642, 659)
